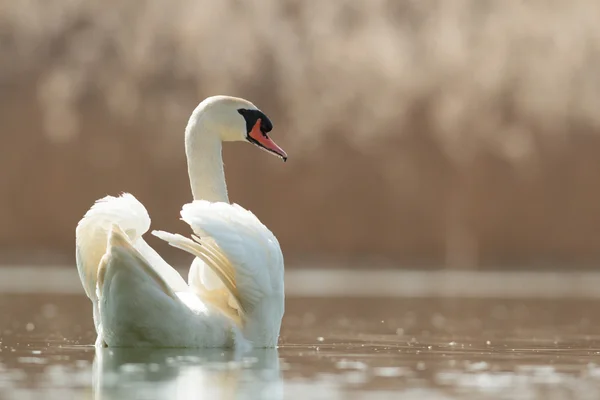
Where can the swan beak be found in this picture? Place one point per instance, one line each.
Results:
(261, 139)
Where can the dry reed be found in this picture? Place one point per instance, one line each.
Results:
(516, 79)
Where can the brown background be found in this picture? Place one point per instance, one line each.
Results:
(446, 133)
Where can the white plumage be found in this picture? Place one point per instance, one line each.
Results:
(235, 293)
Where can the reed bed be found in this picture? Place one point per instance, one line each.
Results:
(454, 132)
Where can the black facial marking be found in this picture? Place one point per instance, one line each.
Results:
(251, 116)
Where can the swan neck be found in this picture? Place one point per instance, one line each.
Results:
(203, 149)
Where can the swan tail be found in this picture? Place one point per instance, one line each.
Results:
(92, 234)
(214, 258)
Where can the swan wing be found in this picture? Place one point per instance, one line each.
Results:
(122, 254)
(168, 273)
(92, 234)
(236, 246)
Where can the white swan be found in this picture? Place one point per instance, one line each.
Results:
(235, 292)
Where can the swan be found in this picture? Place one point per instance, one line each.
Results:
(234, 294)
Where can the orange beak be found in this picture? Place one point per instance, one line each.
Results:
(261, 139)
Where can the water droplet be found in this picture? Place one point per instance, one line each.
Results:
(320, 339)
(29, 327)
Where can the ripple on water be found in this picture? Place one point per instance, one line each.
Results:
(424, 348)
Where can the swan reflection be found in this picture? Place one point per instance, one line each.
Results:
(126, 373)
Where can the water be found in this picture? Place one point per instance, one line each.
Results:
(346, 348)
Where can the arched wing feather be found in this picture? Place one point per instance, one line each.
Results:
(236, 246)
(92, 233)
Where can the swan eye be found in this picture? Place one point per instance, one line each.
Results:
(252, 116)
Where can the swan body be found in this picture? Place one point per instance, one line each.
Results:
(234, 295)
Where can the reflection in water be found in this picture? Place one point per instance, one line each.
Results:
(429, 348)
(185, 374)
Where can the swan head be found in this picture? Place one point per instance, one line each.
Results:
(235, 120)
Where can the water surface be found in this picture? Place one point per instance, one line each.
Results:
(346, 348)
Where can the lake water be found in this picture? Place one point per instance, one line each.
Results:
(331, 348)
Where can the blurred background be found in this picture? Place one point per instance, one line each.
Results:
(450, 134)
